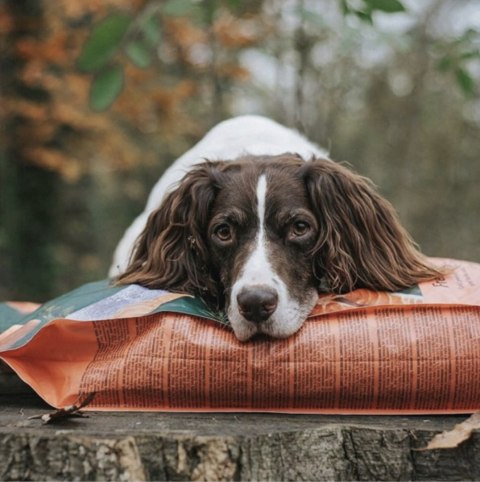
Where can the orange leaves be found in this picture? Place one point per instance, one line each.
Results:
(183, 33)
(29, 110)
(157, 103)
(54, 49)
(58, 131)
(75, 10)
(54, 160)
(6, 21)
(155, 108)
(167, 98)
(233, 71)
(236, 33)
(230, 33)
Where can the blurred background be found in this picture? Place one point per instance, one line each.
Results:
(98, 97)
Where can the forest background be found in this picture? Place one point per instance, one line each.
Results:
(98, 97)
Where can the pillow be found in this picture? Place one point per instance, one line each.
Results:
(412, 352)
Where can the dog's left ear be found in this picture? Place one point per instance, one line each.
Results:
(361, 243)
(171, 252)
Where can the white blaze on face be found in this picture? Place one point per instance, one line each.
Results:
(258, 270)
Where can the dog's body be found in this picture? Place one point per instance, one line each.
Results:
(261, 225)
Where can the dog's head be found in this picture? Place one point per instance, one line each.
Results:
(259, 236)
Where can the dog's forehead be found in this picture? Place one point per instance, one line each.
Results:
(284, 186)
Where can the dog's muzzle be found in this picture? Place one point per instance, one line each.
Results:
(256, 303)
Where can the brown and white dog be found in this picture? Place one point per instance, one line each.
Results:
(263, 225)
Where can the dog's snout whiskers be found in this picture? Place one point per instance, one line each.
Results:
(257, 303)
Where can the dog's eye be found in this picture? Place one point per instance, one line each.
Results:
(223, 232)
(299, 229)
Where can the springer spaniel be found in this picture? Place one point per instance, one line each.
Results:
(256, 220)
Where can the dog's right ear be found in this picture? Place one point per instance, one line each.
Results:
(361, 243)
(171, 253)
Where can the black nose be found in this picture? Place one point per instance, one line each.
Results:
(257, 303)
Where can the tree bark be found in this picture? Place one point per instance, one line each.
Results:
(186, 446)
(29, 192)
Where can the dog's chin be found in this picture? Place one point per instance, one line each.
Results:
(279, 325)
(244, 329)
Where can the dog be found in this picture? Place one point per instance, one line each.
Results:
(256, 220)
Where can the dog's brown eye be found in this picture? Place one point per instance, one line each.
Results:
(300, 228)
(223, 232)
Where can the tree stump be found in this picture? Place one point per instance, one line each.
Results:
(226, 446)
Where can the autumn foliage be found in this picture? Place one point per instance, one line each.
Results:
(66, 129)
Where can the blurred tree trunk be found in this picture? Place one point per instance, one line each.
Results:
(28, 194)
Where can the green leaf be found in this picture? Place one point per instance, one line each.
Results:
(151, 31)
(472, 54)
(470, 34)
(234, 4)
(465, 81)
(445, 63)
(103, 42)
(178, 8)
(139, 53)
(366, 16)
(345, 7)
(389, 6)
(106, 87)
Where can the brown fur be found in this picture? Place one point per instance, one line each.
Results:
(171, 252)
(360, 241)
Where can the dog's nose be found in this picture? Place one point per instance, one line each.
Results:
(257, 303)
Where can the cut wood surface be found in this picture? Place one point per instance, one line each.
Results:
(237, 446)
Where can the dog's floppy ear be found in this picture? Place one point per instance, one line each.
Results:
(361, 242)
(171, 252)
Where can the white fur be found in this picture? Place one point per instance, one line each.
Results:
(227, 141)
(261, 197)
(289, 315)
